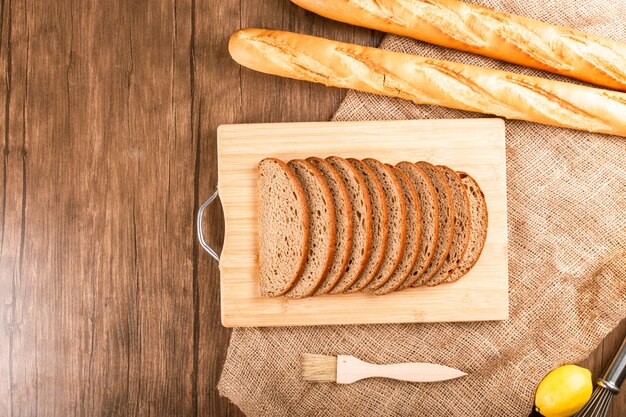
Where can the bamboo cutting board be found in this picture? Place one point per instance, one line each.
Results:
(472, 145)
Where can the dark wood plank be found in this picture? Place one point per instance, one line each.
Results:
(216, 100)
(97, 249)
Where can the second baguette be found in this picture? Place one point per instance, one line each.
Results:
(430, 81)
(489, 32)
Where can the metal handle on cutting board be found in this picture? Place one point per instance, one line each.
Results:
(203, 243)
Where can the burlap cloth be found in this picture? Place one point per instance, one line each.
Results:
(567, 263)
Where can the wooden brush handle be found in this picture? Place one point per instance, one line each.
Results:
(351, 369)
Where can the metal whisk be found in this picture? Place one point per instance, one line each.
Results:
(608, 386)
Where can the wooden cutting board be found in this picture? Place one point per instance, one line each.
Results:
(472, 145)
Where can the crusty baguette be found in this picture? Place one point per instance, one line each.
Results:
(482, 30)
(430, 81)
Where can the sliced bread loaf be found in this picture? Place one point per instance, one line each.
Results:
(322, 229)
(462, 225)
(396, 236)
(283, 227)
(430, 219)
(445, 203)
(361, 222)
(343, 216)
(380, 225)
(413, 234)
(478, 229)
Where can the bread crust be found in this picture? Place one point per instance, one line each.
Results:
(360, 261)
(330, 228)
(411, 253)
(430, 81)
(459, 245)
(416, 274)
(375, 259)
(303, 207)
(389, 264)
(467, 263)
(329, 282)
(482, 30)
(445, 239)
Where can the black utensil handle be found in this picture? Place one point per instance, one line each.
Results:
(614, 375)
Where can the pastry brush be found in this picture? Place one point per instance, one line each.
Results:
(346, 369)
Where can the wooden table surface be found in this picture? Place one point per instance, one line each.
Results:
(110, 110)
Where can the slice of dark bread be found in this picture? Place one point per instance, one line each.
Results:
(396, 235)
(413, 234)
(446, 220)
(462, 225)
(322, 229)
(283, 227)
(430, 219)
(380, 225)
(478, 229)
(343, 216)
(361, 222)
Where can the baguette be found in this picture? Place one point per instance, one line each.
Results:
(484, 31)
(429, 81)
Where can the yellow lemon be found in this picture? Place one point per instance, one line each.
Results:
(564, 391)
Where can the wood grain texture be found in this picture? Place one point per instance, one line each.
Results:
(109, 113)
(471, 145)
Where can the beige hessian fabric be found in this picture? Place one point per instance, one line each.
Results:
(567, 262)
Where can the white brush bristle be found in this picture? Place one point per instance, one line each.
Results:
(319, 368)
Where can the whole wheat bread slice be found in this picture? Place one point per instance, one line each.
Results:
(413, 234)
(380, 225)
(322, 229)
(283, 220)
(446, 220)
(462, 225)
(396, 236)
(430, 219)
(343, 216)
(478, 229)
(361, 222)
